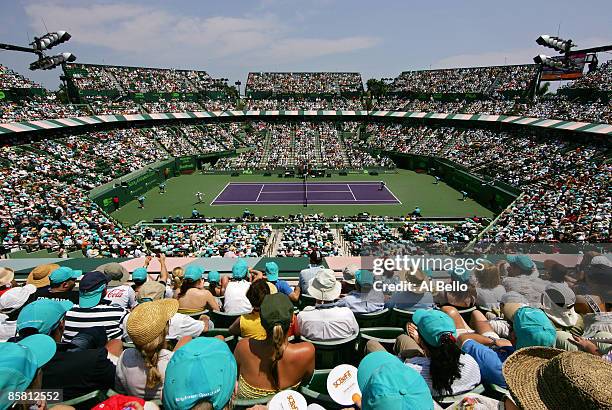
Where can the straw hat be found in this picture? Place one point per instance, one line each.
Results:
(547, 378)
(148, 320)
(39, 276)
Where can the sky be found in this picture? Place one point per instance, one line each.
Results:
(233, 37)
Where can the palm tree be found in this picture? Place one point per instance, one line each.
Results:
(543, 89)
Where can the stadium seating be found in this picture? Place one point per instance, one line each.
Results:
(330, 353)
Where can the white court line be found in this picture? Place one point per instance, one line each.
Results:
(299, 192)
(219, 194)
(333, 201)
(349, 187)
(258, 195)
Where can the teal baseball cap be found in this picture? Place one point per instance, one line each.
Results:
(460, 275)
(204, 368)
(364, 277)
(533, 328)
(194, 272)
(432, 324)
(522, 261)
(19, 363)
(214, 276)
(63, 274)
(387, 383)
(139, 275)
(43, 315)
(240, 269)
(91, 288)
(272, 271)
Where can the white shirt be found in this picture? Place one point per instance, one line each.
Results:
(123, 296)
(182, 325)
(327, 324)
(470, 374)
(131, 376)
(7, 328)
(235, 297)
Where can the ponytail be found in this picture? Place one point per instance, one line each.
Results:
(150, 355)
(186, 284)
(445, 366)
(177, 278)
(280, 343)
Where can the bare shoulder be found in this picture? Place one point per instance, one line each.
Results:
(302, 349)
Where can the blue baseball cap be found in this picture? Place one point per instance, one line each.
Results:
(63, 274)
(533, 328)
(204, 368)
(91, 287)
(522, 261)
(240, 269)
(387, 383)
(432, 324)
(272, 271)
(194, 272)
(140, 275)
(214, 276)
(19, 363)
(43, 315)
(364, 277)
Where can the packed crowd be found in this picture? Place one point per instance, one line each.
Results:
(39, 108)
(600, 79)
(509, 334)
(199, 137)
(299, 241)
(295, 103)
(171, 106)
(10, 79)
(304, 83)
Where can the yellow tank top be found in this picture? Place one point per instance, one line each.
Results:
(248, 392)
(250, 326)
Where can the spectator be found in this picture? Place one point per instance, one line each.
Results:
(7, 279)
(120, 293)
(39, 276)
(236, 301)
(93, 310)
(192, 296)
(364, 299)
(348, 278)
(75, 370)
(11, 303)
(213, 373)
(282, 286)
(270, 365)
(415, 296)
(140, 370)
(316, 264)
(249, 325)
(61, 285)
(326, 323)
(489, 290)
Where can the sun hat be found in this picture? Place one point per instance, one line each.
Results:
(194, 272)
(140, 275)
(272, 271)
(533, 328)
(415, 280)
(6, 276)
(19, 363)
(91, 287)
(214, 276)
(432, 324)
(149, 319)
(116, 272)
(62, 274)
(39, 276)
(240, 269)
(348, 274)
(151, 290)
(324, 286)
(276, 309)
(364, 277)
(548, 378)
(522, 261)
(204, 368)
(14, 298)
(43, 315)
(387, 383)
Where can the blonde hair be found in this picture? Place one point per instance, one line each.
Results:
(280, 343)
(178, 274)
(150, 354)
(488, 276)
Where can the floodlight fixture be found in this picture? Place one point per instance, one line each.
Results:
(50, 40)
(48, 63)
(556, 43)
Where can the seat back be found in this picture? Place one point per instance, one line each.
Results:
(86, 401)
(373, 319)
(222, 319)
(230, 339)
(242, 404)
(399, 317)
(446, 401)
(329, 354)
(315, 391)
(384, 335)
(306, 300)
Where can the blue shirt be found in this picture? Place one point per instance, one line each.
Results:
(489, 360)
(283, 287)
(360, 303)
(306, 275)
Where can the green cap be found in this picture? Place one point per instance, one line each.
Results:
(140, 275)
(19, 363)
(522, 261)
(533, 328)
(43, 315)
(204, 368)
(433, 324)
(240, 269)
(194, 272)
(276, 309)
(63, 274)
(387, 383)
(214, 276)
(364, 277)
(272, 271)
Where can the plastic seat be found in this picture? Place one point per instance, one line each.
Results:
(446, 401)
(329, 354)
(495, 391)
(245, 403)
(196, 315)
(399, 317)
(230, 339)
(85, 401)
(373, 319)
(315, 391)
(306, 300)
(222, 319)
(384, 335)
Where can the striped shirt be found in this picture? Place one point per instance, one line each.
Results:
(109, 317)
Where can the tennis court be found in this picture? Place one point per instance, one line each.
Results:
(311, 193)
